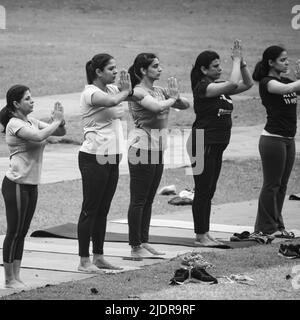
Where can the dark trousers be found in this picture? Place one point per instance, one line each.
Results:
(277, 156)
(205, 186)
(20, 203)
(144, 181)
(99, 183)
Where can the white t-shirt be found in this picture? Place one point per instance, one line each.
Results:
(103, 134)
(26, 156)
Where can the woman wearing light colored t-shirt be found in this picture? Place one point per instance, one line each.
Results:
(147, 143)
(26, 139)
(100, 154)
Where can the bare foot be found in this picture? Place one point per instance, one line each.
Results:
(152, 250)
(213, 239)
(14, 284)
(88, 267)
(101, 263)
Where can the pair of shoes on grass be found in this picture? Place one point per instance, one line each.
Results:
(197, 273)
(289, 251)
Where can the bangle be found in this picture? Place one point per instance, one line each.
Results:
(62, 124)
(130, 94)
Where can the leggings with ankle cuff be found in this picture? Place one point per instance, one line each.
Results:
(277, 156)
(144, 181)
(20, 203)
(99, 183)
(205, 186)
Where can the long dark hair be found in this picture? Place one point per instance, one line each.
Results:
(99, 61)
(204, 59)
(262, 68)
(14, 94)
(142, 60)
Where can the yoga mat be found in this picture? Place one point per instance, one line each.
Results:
(111, 249)
(180, 224)
(69, 263)
(69, 230)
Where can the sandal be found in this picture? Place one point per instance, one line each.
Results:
(284, 234)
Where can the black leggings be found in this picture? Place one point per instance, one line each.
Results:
(99, 183)
(277, 155)
(205, 186)
(144, 181)
(20, 202)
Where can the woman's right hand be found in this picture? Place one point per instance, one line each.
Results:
(173, 90)
(237, 52)
(124, 81)
(58, 112)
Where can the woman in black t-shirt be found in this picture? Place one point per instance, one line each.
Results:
(276, 144)
(213, 107)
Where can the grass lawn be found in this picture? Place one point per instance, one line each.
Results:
(261, 263)
(47, 43)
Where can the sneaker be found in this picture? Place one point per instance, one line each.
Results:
(289, 251)
(202, 275)
(152, 250)
(168, 190)
(240, 236)
(180, 276)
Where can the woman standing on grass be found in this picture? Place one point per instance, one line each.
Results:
(26, 139)
(277, 143)
(213, 108)
(100, 154)
(147, 143)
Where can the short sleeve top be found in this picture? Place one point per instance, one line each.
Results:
(281, 109)
(26, 156)
(103, 134)
(150, 131)
(213, 114)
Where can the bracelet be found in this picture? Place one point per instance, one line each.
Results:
(130, 94)
(244, 65)
(62, 124)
